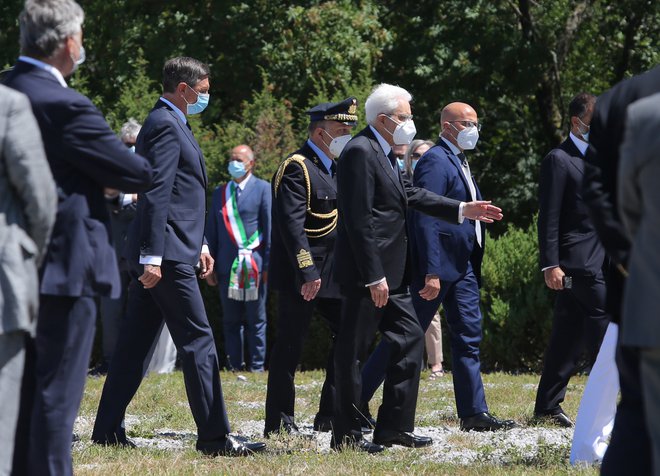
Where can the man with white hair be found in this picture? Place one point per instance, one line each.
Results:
(372, 266)
(85, 156)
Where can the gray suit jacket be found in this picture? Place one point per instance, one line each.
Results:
(639, 207)
(28, 203)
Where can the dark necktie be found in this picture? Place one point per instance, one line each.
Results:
(333, 168)
(392, 158)
(463, 159)
(189, 128)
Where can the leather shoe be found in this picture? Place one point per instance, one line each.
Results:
(286, 428)
(559, 419)
(366, 420)
(486, 422)
(361, 444)
(322, 423)
(229, 446)
(402, 438)
(114, 440)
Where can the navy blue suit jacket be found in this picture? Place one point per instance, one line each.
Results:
(170, 216)
(84, 156)
(567, 237)
(254, 207)
(439, 247)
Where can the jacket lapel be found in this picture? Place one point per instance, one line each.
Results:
(576, 158)
(385, 163)
(323, 172)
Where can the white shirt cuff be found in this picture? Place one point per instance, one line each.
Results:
(550, 267)
(126, 199)
(460, 213)
(205, 250)
(152, 260)
(375, 282)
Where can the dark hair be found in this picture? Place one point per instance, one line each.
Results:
(183, 70)
(580, 104)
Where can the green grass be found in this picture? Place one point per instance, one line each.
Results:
(161, 404)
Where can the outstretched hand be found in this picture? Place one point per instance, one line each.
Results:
(482, 210)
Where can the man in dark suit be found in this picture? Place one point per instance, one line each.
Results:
(238, 234)
(164, 245)
(630, 435)
(304, 233)
(84, 156)
(372, 261)
(571, 260)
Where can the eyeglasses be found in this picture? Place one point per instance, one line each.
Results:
(470, 124)
(401, 117)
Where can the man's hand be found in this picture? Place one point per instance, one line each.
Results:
(110, 193)
(553, 278)
(151, 276)
(431, 287)
(310, 289)
(206, 265)
(380, 293)
(212, 280)
(482, 210)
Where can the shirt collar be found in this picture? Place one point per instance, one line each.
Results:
(579, 143)
(244, 181)
(383, 143)
(325, 160)
(45, 66)
(452, 147)
(181, 115)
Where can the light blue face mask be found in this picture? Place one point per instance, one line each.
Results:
(414, 163)
(200, 105)
(132, 149)
(400, 163)
(236, 169)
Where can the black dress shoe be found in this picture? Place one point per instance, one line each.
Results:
(322, 423)
(366, 420)
(559, 419)
(114, 440)
(229, 446)
(402, 438)
(286, 428)
(360, 444)
(486, 422)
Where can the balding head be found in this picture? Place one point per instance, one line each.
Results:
(243, 151)
(456, 117)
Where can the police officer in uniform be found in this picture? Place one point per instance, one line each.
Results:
(303, 236)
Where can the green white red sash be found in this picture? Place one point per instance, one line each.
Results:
(244, 274)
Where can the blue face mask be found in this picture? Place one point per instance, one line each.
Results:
(414, 163)
(400, 163)
(200, 105)
(132, 149)
(236, 169)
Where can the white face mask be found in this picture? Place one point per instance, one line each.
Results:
(467, 138)
(338, 143)
(404, 132)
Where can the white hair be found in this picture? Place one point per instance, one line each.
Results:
(45, 24)
(384, 99)
(130, 130)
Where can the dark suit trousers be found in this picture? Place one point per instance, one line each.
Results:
(55, 374)
(398, 325)
(177, 300)
(629, 451)
(578, 327)
(460, 300)
(294, 317)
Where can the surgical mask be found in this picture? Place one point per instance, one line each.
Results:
(236, 169)
(467, 138)
(414, 163)
(337, 144)
(404, 132)
(585, 135)
(400, 163)
(132, 149)
(80, 60)
(199, 105)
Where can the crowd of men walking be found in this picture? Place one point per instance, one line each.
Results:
(346, 226)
